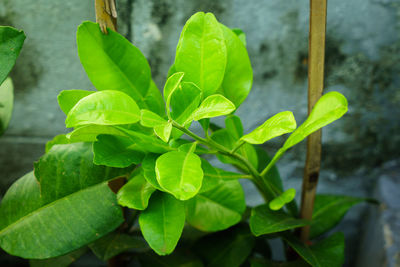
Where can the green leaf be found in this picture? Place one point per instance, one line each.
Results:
(281, 200)
(61, 261)
(264, 221)
(136, 193)
(6, 102)
(60, 139)
(179, 173)
(238, 77)
(164, 131)
(201, 53)
(89, 133)
(227, 249)
(241, 35)
(180, 258)
(66, 169)
(184, 101)
(329, 108)
(32, 229)
(146, 143)
(115, 243)
(213, 106)
(113, 63)
(277, 125)
(171, 84)
(115, 151)
(328, 252)
(149, 170)
(150, 119)
(11, 41)
(205, 124)
(154, 100)
(329, 211)
(234, 126)
(67, 99)
(104, 108)
(217, 209)
(162, 222)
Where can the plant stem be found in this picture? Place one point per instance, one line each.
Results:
(266, 189)
(316, 56)
(106, 14)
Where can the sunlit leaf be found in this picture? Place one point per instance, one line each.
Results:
(6, 103)
(213, 106)
(67, 99)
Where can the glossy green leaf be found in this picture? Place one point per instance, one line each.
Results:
(154, 100)
(329, 211)
(6, 103)
(277, 125)
(115, 243)
(150, 119)
(61, 261)
(217, 209)
(230, 248)
(136, 193)
(234, 126)
(179, 173)
(11, 41)
(60, 139)
(89, 133)
(113, 63)
(284, 198)
(213, 106)
(66, 169)
(171, 84)
(264, 221)
(184, 101)
(32, 229)
(104, 108)
(146, 143)
(201, 52)
(205, 124)
(327, 252)
(67, 99)
(115, 151)
(162, 222)
(329, 108)
(163, 131)
(241, 35)
(238, 77)
(149, 170)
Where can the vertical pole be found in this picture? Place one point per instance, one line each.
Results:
(316, 57)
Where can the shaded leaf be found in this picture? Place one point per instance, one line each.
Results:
(6, 103)
(89, 133)
(149, 170)
(61, 261)
(184, 101)
(11, 42)
(60, 139)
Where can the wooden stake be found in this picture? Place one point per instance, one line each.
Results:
(316, 58)
(106, 14)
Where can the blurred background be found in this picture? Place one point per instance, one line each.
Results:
(360, 152)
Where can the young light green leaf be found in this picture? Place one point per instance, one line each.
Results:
(329, 108)
(150, 119)
(163, 131)
(33, 229)
(60, 139)
(11, 41)
(201, 52)
(180, 174)
(238, 77)
(149, 170)
(6, 103)
(136, 193)
(277, 125)
(217, 209)
(171, 84)
(162, 222)
(265, 221)
(281, 200)
(241, 35)
(113, 63)
(213, 106)
(115, 243)
(89, 133)
(115, 151)
(184, 101)
(67, 99)
(328, 252)
(104, 108)
(328, 212)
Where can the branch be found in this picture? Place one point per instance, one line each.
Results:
(106, 14)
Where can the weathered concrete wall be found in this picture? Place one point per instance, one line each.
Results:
(362, 62)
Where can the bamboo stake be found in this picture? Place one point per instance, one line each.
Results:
(106, 14)
(316, 57)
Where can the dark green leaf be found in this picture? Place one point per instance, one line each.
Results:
(149, 170)
(329, 211)
(234, 126)
(145, 142)
(60, 139)
(61, 261)
(6, 102)
(201, 52)
(241, 35)
(104, 108)
(217, 209)
(11, 41)
(264, 221)
(180, 258)
(67, 99)
(162, 222)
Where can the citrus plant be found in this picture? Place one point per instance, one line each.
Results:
(134, 148)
